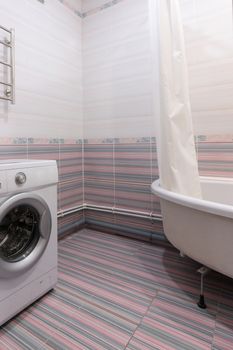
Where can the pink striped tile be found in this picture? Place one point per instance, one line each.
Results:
(116, 293)
(175, 322)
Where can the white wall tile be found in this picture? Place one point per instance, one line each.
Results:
(209, 43)
(117, 71)
(117, 67)
(106, 59)
(48, 60)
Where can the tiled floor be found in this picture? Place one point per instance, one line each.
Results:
(117, 293)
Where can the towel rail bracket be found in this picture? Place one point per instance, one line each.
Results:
(9, 65)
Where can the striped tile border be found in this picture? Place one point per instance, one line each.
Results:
(133, 196)
(99, 192)
(70, 194)
(114, 172)
(133, 163)
(70, 161)
(13, 151)
(119, 172)
(125, 140)
(68, 154)
(215, 158)
(98, 162)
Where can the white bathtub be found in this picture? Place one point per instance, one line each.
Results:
(201, 229)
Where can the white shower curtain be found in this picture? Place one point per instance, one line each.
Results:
(175, 141)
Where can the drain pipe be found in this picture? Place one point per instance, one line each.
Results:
(111, 210)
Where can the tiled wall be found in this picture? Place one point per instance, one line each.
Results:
(138, 228)
(118, 100)
(70, 223)
(215, 155)
(118, 174)
(113, 164)
(46, 121)
(117, 70)
(117, 67)
(48, 70)
(68, 154)
(208, 36)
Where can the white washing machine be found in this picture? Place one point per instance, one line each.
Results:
(28, 233)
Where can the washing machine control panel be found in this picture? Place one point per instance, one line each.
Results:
(20, 178)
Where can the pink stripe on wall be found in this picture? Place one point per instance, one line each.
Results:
(114, 173)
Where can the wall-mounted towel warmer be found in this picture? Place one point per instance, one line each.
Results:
(9, 85)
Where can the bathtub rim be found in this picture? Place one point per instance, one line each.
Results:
(207, 206)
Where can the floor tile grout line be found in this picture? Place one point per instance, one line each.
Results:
(145, 314)
(216, 315)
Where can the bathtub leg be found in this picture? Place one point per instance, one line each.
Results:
(182, 255)
(203, 271)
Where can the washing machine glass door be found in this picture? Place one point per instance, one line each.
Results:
(25, 227)
(19, 232)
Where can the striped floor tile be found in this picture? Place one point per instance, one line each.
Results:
(174, 322)
(117, 293)
(223, 339)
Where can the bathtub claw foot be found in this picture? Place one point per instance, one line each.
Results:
(201, 303)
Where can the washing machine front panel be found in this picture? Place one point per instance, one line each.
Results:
(25, 228)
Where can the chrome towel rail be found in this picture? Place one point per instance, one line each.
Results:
(6, 30)
(9, 43)
(5, 64)
(6, 84)
(5, 43)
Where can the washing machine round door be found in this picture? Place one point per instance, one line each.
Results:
(25, 228)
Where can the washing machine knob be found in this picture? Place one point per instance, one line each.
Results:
(20, 178)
